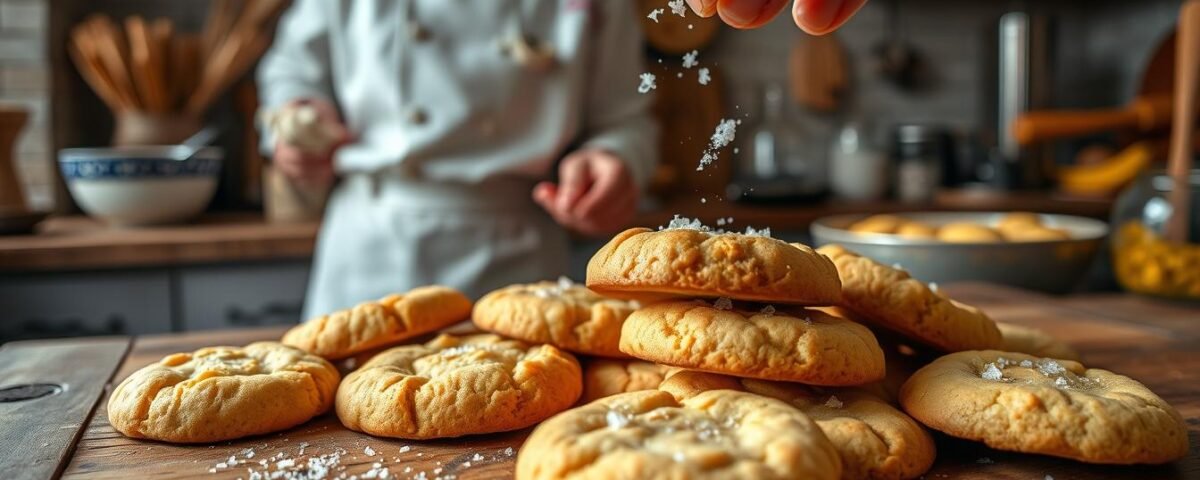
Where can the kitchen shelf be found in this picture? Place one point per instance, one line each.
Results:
(79, 243)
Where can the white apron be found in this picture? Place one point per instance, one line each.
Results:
(453, 132)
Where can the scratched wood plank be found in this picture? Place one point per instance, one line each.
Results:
(1161, 354)
(38, 435)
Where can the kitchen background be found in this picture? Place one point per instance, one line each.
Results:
(1096, 52)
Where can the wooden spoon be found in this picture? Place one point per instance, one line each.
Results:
(1187, 80)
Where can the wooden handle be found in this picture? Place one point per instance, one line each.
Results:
(1187, 75)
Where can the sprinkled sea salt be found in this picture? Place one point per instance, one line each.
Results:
(678, 457)
(477, 458)
(616, 420)
(759, 232)
(647, 83)
(898, 266)
(654, 14)
(1026, 364)
(405, 449)
(723, 303)
(689, 59)
(704, 77)
(991, 372)
(933, 286)
(1050, 368)
(833, 402)
(684, 223)
(725, 133)
(677, 7)
(508, 451)
(1061, 382)
(368, 451)
(285, 463)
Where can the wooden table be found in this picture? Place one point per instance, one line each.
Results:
(68, 434)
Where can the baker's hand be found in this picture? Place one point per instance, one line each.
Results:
(817, 17)
(309, 167)
(595, 195)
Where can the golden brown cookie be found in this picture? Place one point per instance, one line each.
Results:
(916, 231)
(643, 264)
(1018, 220)
(1035, 234)
(1031, 341)
(875, 440)
(889, 298)
(649, 435)
(788, 344)
(222, 393)
(564, 314)
(882, 223)
(454, 386)
(966, 232)
(1018, 402)
(605, 378)
(372, 325)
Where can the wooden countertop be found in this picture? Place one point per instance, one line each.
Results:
(81, 243)
(68, 434)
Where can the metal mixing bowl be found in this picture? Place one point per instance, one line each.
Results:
(1049, 266)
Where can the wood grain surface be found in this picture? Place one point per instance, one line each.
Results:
(37, 435)
(1154, 342)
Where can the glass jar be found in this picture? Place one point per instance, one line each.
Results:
(1144, 261)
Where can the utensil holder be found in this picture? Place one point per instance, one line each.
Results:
(143, 128)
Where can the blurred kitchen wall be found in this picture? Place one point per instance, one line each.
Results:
(25, 81)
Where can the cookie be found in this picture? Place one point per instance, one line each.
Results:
(223, 393)
(916, 231)
(643, 264)
(887, 297)
(605, 378)
(1017, 220)
(1023, 403)
(372, 325)
(1028, 340)
(563, 314)
(875, 440)
(650, 435)
(966, 232)
(1035, 234)
(775, 343)
(882, 223)
(454, 386)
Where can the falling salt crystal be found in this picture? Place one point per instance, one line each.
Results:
(647, 83)
(723, 303)
(833, 402)
(990, 372)
(616, 420)
(690, 26)
(654, 14)
(736, 150)
(720, 222)
(898, 266)
(370, 452)
(689, 59)
(1049, 477)
(933, 286)
(768, 310)
(704, 200)
(677, 7)
(724, 134)
(565, 283)
(679, 75)
(704, 77)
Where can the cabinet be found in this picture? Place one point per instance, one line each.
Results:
(88, 303)
(240, 296)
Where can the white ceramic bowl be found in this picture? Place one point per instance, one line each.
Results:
(131, 186)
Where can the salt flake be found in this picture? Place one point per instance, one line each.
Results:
(689, 59)
(833, 402)
(704, 76)
(654, 14)
(368, 451)
(991, 372)
(647, 83)
(725, 133)
(616, 420)
(677, 7)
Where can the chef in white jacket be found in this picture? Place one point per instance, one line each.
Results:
(451, 116)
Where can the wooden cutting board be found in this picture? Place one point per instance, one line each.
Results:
(1154, 342)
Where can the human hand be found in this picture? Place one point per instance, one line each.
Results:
(595, 195)
(817, 17)
(300, 162)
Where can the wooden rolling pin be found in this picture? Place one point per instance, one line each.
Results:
(1187, 76)
(1144, 114)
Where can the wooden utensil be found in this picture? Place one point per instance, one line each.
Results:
(817, 69)
(1187, 81)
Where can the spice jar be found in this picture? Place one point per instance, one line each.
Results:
(1143, 260)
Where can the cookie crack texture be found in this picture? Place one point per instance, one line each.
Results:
(222, 393)
(454, 386)
(648, 265)
(566, 315)
(1108, 418)
(376, 324)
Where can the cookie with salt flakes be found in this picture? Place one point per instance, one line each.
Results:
(563, 313)
(688, 260)
(1012, 401)
(651, 435)
(772, 343)
(604, 377)
(874, 439)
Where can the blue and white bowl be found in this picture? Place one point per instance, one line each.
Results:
(130, 186)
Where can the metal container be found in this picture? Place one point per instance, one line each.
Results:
(1049, 266)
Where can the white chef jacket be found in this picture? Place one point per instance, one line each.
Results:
(453, 132)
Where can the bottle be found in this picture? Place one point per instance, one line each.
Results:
(858, 170)
(781, 162)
